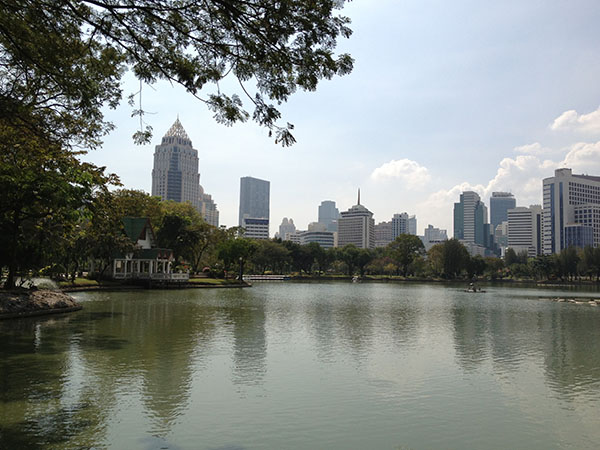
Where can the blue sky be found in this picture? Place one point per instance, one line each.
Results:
(444, 96)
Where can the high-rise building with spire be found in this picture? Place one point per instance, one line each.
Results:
(175, 174)
(356, 226)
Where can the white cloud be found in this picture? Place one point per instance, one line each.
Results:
(572, 121)
(521, 175)
(410, 172)
(583, 157)
(535, 149)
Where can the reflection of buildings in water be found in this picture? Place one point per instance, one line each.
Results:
(250, 344)
(564, 339)
(321, 316)
(154, 347)
(513, 334)
(572, 349)
(354, 326)
(404, 324)
(470, 336)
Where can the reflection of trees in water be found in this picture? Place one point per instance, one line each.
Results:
(145, 345)
(159, 342)
(470, 335)
(250, 343)
(572, 349)
(564, 338)
(354, 323)
(34, 360)
(403, 324)
(321, 316)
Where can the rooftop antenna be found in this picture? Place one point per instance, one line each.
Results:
(359, 196)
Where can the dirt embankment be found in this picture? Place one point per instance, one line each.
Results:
(23, 303)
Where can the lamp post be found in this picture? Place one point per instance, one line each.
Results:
(241, 269)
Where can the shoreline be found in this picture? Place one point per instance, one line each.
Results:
(368, 279)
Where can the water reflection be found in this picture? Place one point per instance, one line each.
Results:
(150, 369)
(249, 343)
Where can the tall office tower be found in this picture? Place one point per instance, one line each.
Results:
(356, 226)
(175, 174)
(566, 197)
(470, 215)
(286, 228)
(412, 225)
(383, 234)
(329, 215)
(399, 224)
(207, 208)
(525, 229)
(500, 203)
(254, 199)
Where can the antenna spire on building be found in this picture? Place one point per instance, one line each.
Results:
(358, 196)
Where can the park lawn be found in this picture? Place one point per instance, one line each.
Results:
(212, 281)
(78, 282)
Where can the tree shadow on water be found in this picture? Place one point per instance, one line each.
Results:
(53, 428)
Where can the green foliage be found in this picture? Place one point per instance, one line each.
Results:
(236, 251)
(404, 250)
(46, 191)
(456, 258)
(270, 255)
(63, 61)
(349, 254)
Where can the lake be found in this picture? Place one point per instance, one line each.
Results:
(306, 366)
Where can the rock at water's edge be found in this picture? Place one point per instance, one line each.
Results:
(29, 301)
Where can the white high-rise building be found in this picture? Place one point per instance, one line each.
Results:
(356, 226)
(255, 228)
(524, 229)
(399, 225)
(566, 196)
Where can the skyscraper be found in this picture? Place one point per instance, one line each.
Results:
(175, 174)
(254, 206)
(500, 203)
(329, 215)
(470, 215)
(525, 229)
(569, 199)
(356, 226)
(399, 224)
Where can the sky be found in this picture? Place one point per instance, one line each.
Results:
(444, 97)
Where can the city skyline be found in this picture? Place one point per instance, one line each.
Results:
(471, 97)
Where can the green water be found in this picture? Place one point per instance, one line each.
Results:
(305, 366)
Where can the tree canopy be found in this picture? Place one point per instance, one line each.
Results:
(62, 61)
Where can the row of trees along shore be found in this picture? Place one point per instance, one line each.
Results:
(67, 244)
(406, 258)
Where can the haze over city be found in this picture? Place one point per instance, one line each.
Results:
(443, 98)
